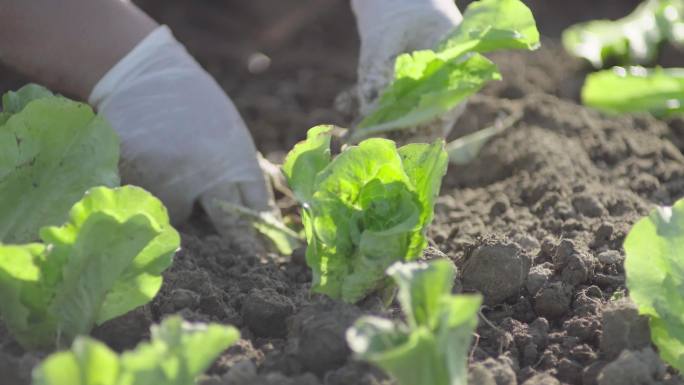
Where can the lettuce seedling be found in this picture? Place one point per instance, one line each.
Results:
(52, 150)
(177, 353)
(364, 210)
(654, 269)
(105, 261)
(634, 39)
(429, 83)
(431, 348)
(636, 90)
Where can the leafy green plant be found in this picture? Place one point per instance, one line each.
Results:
(177, 353)
(634, 39)
(654, 270)
(52, 150)
(432, 347)
(636, 89)
(429, 83)
(105, 261)
(364, 210)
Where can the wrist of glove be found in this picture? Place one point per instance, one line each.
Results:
(181, 136)
(388, 28)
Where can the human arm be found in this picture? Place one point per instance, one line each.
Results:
(182, 138)
(69, 45)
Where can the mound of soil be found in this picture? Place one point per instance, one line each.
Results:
(535, 223)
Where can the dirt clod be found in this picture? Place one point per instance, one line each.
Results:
(539, 275)
(265, 312)
(493, 372)
(319, 332)
(17, 370)
(126, 331)
(623, 328)
(588, 206)
(182, 298)
(610, 257)
(496, 269)
(553, 300)
(542, 379)
(633, 367)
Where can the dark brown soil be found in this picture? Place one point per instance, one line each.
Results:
(536, 223)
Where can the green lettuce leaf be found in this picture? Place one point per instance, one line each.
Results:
(634, 39)
(425, 165)
(307, 159)
(177, 353)
(432, 349)
(654, 271)
(490, 25)
(51, 150)
(430, 83)
(105, 261)
(425, 87)
(636, 90)
(15, 101)
(364, 210)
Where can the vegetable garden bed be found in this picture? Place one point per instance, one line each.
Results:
(536, 223)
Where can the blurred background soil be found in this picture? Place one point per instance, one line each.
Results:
(284, 62)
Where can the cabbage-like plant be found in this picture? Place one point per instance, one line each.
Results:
(363, 210)
(105, 261)
(432, 347)
(176, 354)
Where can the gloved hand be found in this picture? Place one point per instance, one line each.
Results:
(389, 28)
(182, 138)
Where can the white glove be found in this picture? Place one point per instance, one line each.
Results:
(389, 28)
(182, 138)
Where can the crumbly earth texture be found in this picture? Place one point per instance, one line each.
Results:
(535, 223)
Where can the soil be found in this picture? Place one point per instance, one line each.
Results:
(535, 223)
